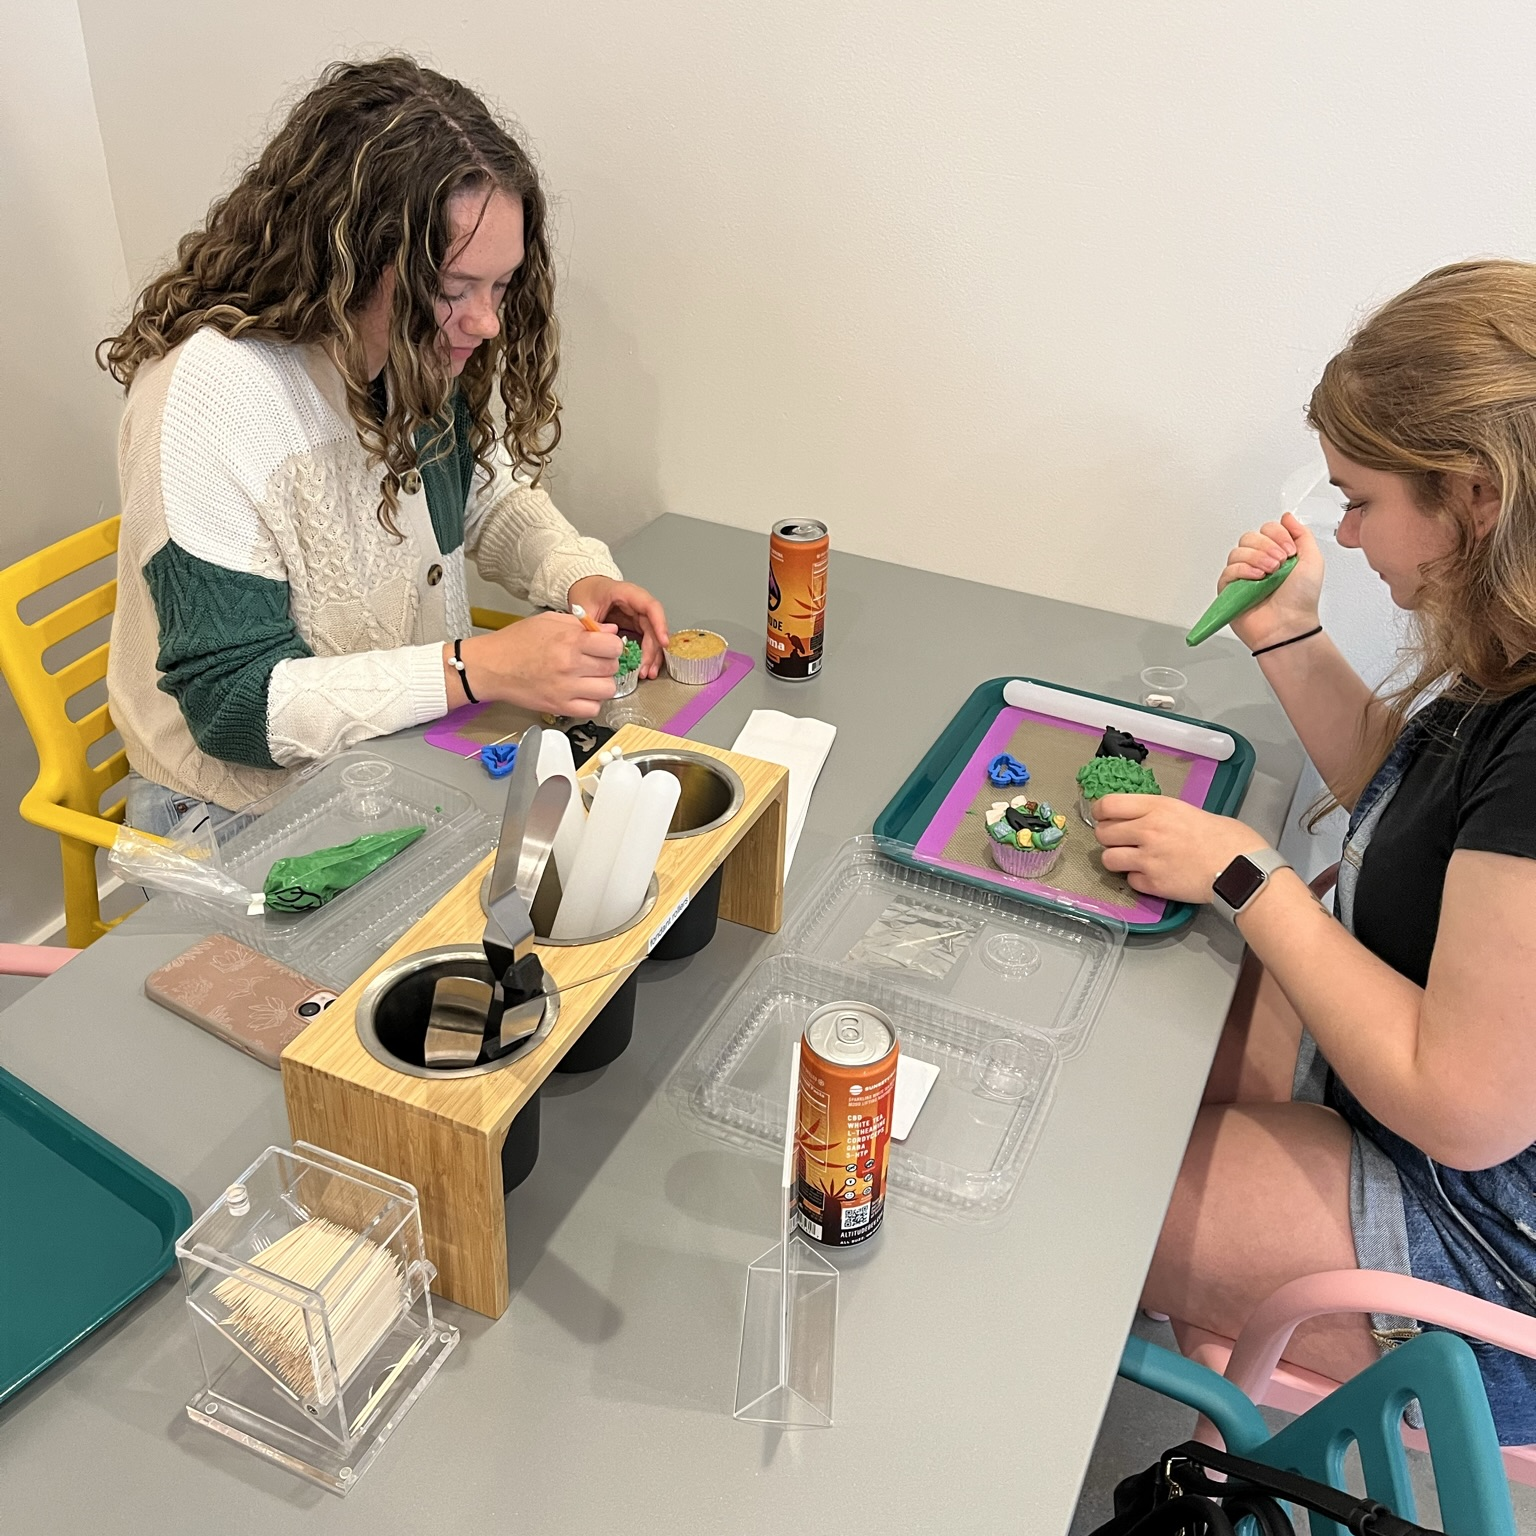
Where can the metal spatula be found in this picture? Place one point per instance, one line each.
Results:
(471, 1017)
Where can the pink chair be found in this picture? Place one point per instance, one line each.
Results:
(1252, 1362)
(32, 959)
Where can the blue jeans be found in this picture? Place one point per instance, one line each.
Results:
(154, 808)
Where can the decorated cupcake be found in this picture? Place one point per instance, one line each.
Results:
(628, 678)
(1118, 768)
(696, 656)
(1025, 836)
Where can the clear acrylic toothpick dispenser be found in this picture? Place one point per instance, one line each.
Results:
(309, 1292)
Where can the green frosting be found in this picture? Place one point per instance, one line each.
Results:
(1101, 776)
(629, 658)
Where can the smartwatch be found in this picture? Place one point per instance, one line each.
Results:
(1236, 887)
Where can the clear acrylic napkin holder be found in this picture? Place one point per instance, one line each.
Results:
(314, 1376)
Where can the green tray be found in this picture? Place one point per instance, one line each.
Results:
(83, 1230)
(916, 803)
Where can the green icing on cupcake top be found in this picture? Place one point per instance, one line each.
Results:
(629, 658)
(1101, 776)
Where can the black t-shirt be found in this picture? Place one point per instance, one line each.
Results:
(1471, 784)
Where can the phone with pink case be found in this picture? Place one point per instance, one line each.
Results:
(245, 998)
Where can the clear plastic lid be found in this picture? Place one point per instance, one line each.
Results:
(355, 793)
(1022, 965)
(993, 993)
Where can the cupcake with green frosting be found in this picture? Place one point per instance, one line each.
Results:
(628, 678)
(1118, 768)
(1024, 836)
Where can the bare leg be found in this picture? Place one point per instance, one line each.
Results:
(1256, 1057)
(1262, 1199)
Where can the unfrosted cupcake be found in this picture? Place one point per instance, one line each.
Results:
(1118, 768)
(1024, 836)
(696, 656)
(628, 676)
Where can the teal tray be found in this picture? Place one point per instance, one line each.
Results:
(86, 1229)
(916, 803)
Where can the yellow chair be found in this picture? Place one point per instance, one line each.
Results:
(492, 618)
(67, 795)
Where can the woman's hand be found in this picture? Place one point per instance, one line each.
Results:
(1167, 847)
(1292, 608)
(548, 663)
(629, 607)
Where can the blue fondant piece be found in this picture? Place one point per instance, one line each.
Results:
(1004, 771)
(499, 758)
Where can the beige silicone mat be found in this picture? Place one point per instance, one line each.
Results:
(1053, 756)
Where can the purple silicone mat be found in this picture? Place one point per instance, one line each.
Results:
(1053, 750)
(684, 708)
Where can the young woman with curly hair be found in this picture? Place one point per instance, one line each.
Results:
(1373, 1100)
(344, 385)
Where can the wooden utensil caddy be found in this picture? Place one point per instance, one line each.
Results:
(445, 1135)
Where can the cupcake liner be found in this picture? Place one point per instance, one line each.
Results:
(697, 670)
(1031, 863)
(626, 683)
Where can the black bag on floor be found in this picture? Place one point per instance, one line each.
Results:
(1174, 1497)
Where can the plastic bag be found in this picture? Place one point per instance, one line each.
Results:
(183, 866)
(309, 880)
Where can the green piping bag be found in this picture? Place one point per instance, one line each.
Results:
(309, 880)
(1235, 598)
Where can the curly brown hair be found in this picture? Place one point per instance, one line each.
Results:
(1438, 386)
(358, 181)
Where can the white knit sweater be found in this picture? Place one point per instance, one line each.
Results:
(265, 618)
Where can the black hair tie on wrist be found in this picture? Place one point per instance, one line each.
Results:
(458, 666)
(1279, 644)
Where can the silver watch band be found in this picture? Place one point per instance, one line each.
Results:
(1266, 861)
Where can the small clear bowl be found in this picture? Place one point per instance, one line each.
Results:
(1011, 955)
(1164, 687)
(1006, 1065)
(368, 788)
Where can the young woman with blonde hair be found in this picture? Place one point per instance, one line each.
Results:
(1373, 1101)
(342, 386)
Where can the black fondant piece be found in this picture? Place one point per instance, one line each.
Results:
(1121, 744)
(1027, 818)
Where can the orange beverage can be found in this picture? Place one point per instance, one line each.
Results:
(797, 597)
(848, 1059)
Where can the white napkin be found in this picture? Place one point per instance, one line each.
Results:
(801, 745)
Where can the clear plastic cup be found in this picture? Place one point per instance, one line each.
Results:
(1005, 1069)
(368, 784)
(1163, 688)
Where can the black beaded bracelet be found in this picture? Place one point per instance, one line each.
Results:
(458, 666)
(1264, 649)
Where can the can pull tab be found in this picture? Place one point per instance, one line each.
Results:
(850, 1029)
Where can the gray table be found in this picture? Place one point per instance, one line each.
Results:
(973, 1364)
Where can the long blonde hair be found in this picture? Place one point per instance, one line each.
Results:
(358, 181)
(1441, 382)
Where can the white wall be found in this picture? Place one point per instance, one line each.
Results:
(1031, 293)
(62, 281)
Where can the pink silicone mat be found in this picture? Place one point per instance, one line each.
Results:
(1053, 750)
(666, 705)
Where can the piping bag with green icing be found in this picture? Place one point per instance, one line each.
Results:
(309, 880)
(1237, 597)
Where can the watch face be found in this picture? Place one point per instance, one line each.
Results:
(1238, 882)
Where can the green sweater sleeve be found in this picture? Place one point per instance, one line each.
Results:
(221, 634)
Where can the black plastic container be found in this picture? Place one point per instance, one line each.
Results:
(696, 927)
(520, 1151)
(607, 1036)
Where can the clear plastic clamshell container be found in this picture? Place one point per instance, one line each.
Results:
(353, 794)
(992, 993)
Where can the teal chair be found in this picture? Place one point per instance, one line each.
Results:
(1438, 1369)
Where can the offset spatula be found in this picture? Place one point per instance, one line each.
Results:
(471, 1018)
